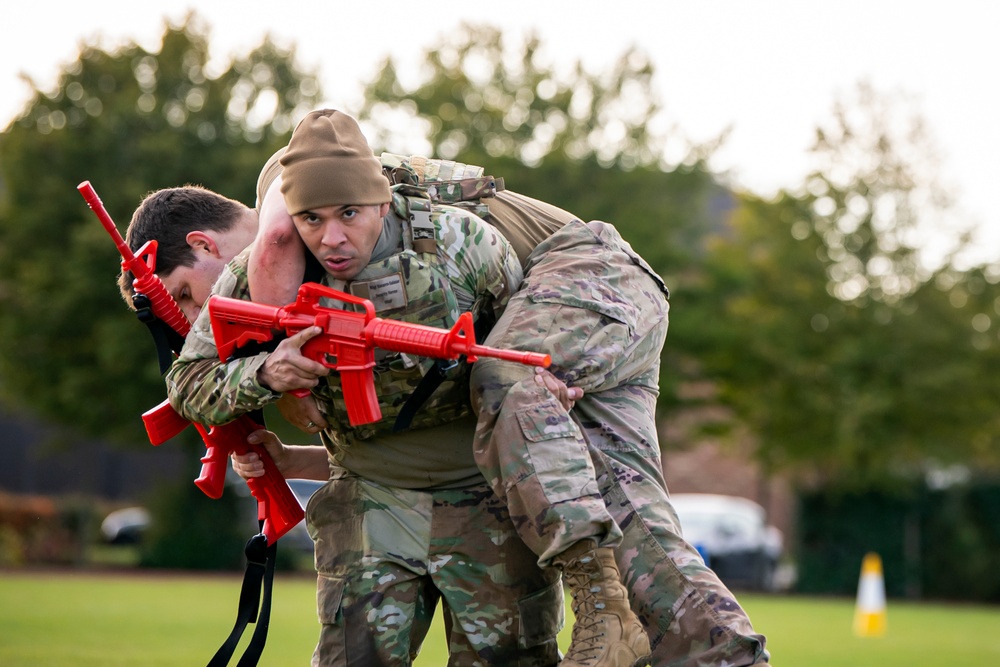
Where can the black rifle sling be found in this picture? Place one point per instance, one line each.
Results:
(260, 555)
(251, 655)
(437, 374)
(428, 383)
(252, 608)
(168, 342)
(259, 575)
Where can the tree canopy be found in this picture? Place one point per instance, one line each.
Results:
(846, 355)
(129, 121)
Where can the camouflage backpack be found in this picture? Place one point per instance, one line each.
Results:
(444, 181)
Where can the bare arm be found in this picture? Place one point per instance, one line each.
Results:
(277, 258)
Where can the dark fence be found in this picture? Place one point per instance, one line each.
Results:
(934, 543)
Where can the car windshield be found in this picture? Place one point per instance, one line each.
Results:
(703, 524)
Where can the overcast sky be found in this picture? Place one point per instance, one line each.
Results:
(768, 70)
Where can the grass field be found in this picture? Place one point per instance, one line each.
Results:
(105, 620)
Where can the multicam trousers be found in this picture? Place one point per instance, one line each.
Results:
(601, 313)
(386, 556)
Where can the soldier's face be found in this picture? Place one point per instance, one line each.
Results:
(190, 286)
(341, 237)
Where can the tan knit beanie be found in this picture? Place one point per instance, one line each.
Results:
(329, 163)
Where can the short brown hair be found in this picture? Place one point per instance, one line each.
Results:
(168, 216)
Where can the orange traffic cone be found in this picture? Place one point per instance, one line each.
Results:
(869, 614)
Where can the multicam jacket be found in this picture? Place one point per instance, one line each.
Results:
(431, 263)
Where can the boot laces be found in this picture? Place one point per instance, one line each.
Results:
(588, 627)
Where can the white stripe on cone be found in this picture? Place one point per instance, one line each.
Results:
(869, 613)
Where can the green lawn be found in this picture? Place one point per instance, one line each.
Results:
(97, 620)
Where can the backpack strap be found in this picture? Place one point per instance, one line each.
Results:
(424, 182)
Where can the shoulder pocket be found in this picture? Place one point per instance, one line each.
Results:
(592, 295)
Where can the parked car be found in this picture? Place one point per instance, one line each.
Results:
(734, 537)
(125, 526)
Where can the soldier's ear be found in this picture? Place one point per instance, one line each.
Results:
(202, 242)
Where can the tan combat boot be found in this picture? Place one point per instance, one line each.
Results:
(605, 633)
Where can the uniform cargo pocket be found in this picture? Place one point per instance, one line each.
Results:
(543, 615)
(329, 597)
(545, 421)
(560, 467)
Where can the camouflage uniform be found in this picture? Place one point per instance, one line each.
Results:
(386, 555)
(601, 312)
(406, 518)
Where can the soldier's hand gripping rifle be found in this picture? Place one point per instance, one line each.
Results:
(277, 506)
(349, 339)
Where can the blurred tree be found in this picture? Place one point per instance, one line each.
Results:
(129, 121)
(839, 347)
(188, 530)
(877, 201)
